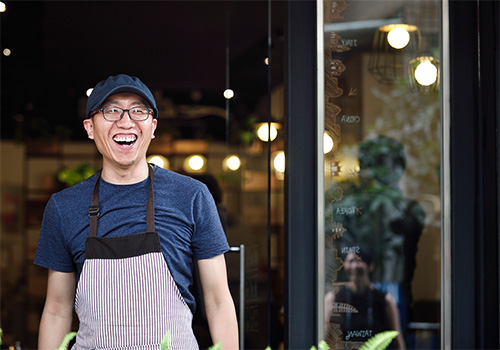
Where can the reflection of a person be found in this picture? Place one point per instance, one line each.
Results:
(385, 220)
(362, 310)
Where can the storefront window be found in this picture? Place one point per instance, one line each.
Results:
(382, 172)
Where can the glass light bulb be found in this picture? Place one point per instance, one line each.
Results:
(327, 143)
(279, 162)
(158, 160)
(263, 132)
(196, 162)
(398, 37)
(232, 162)
(426, 73)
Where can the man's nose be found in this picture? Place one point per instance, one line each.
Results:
(126, 121)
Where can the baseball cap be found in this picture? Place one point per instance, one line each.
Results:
(115, 84)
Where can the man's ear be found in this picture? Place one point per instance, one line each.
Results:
(89, 127)
(155, 124)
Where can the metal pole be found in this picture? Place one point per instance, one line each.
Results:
(241, 323)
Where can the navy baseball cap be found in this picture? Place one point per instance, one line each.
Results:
(116, 84)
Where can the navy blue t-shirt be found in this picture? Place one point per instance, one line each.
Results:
(186, 220)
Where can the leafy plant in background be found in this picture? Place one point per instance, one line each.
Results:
(71, 176)
(379, 341)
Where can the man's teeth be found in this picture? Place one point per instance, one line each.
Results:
(125, 139)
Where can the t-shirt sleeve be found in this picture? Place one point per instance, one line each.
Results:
(51, 251)
(209, 239)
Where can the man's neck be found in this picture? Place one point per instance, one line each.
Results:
(125, 175)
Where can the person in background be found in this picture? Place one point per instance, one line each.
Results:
(120, 247)
(362, 310)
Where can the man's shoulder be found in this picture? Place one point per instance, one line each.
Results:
(81, 190)
(167, 177)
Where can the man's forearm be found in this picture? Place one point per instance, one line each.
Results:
(223, 325)
(53, 328)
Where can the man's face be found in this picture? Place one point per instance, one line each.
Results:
(122, 143)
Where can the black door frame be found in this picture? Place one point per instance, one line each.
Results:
(473, 196)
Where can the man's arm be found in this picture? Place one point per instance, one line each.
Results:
(219, 304)
(58, 310)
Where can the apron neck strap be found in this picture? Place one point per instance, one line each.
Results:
(94, 205)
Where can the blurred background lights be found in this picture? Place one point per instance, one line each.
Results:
(279, 163)
(266, 61)
(6, 52)
(89, 91)
(3, 8)
(231, 162)
(228, 94)
(398, 37)
(159, 160)
(426, 73)
(263, 131)
(195, 163)
(327, 143)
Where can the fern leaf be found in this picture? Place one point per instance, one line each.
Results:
(323, 345)
(165, 343)
(379, 341)
(217, 346)
(66, 340)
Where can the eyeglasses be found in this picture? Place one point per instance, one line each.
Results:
(114, 114)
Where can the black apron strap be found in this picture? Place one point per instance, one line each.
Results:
(94, 205)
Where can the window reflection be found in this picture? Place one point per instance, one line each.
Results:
(382, 187)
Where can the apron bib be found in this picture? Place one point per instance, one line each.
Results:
(126, 297)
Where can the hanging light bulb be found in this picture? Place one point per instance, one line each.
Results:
(228, 94)
(158, 160)
(264, 132)
(279, 164)
(398, 37)
(195, 163)
(327, 143)
(231, 162)
(424, 74)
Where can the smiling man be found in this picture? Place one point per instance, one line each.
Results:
(120, 247)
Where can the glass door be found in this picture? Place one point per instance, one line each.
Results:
(380, 98)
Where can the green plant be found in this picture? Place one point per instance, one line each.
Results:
(321, 346)
(379, 341)
(66, 340)
(74, 175)
(165, 344)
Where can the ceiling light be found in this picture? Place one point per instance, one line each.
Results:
(424, 74)
(263, 131)
(231, 162)
(327, 143)
(228, 94)
(159, 160)
(195, 164)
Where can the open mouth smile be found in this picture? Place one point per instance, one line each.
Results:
(125, 140)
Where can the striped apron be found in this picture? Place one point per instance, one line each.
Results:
(126, 297)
